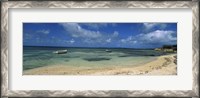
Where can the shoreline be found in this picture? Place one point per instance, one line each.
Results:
(163, 65)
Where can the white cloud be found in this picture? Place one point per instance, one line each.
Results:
(158, 36)
(108, 40)
(75, 30)
(95, 25)
(149, 26)
(89, 36)
(27, 36)
(130, 39)
(115, 34)
(43, 31)
(110, 37)
(98, 25)
(71, 41)
(123, 40)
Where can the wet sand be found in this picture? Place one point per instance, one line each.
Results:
(163, 65)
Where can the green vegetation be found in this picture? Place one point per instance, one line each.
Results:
(167, 48)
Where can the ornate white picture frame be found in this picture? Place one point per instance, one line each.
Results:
(6, 5)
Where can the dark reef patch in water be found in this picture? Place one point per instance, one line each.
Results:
(37, 57)
(73, 56)
(28, 66)
(134, 55)
(66, 60)
(125, 55)
(65, 56)
(151, 55)
(96, 59)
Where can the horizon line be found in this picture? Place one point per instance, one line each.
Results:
(87, 47)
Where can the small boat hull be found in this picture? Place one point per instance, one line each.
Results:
(60, 52)
(108, 51)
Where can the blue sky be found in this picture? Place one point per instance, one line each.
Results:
(126, 35)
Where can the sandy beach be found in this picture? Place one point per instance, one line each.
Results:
(163, 65)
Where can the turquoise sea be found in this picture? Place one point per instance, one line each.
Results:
(34, 57)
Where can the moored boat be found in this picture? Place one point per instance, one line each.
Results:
(60, 52)
(107, 50)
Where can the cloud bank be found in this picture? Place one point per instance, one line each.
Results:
(149, 26)
(75, 30)
(155, 37)
(89, 36)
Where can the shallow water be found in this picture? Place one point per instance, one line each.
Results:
(34, 57)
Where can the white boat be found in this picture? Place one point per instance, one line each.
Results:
(60, 52)
(108, 50)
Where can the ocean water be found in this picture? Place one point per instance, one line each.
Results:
(34, 57)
